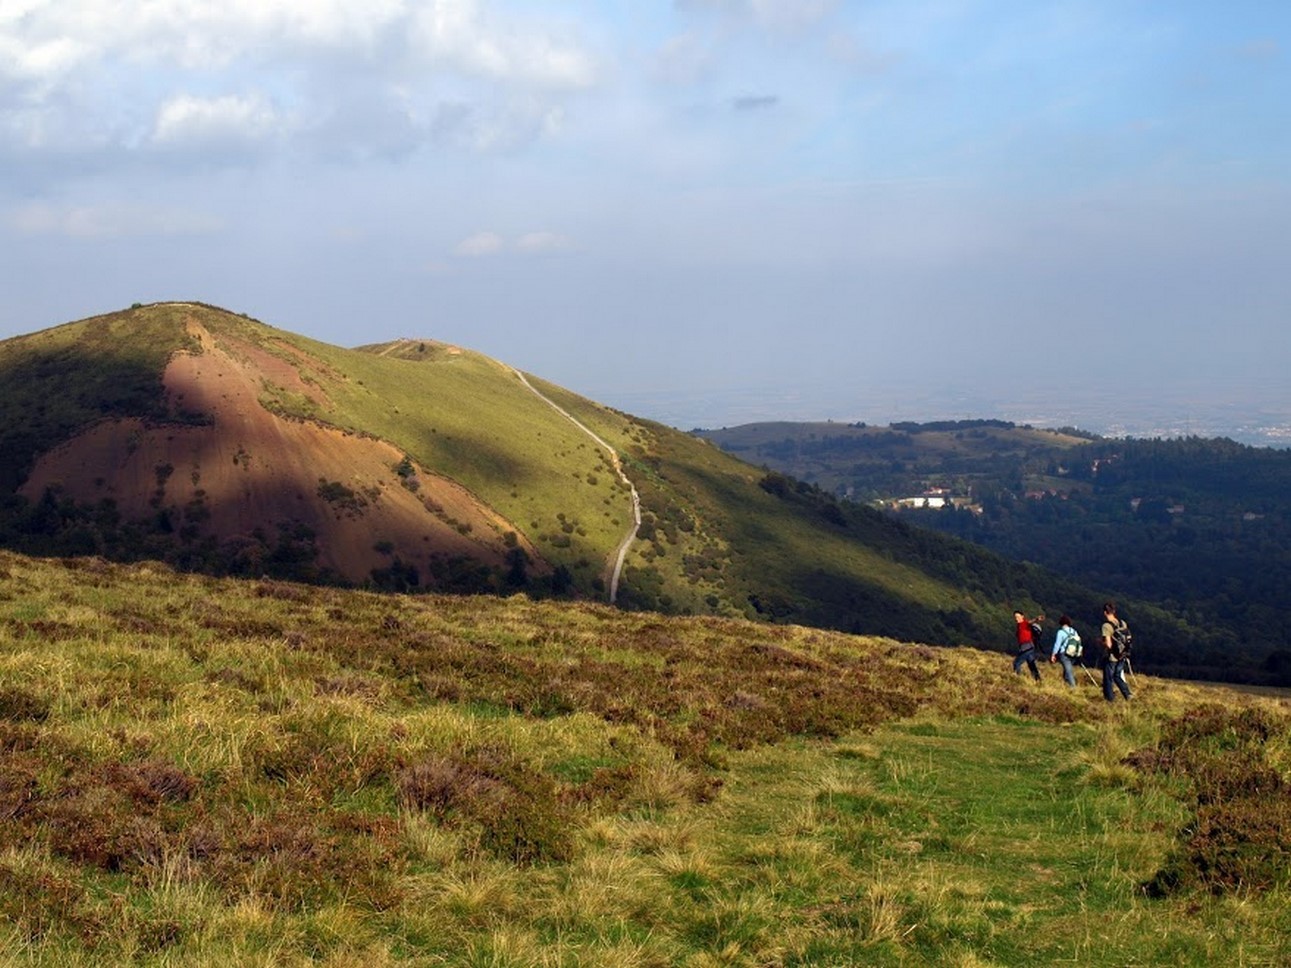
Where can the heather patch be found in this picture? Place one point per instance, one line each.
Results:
(196, 771)
(1238, 836)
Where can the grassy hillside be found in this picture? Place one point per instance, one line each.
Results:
(202, 771)
(59, 381)
(724, 536)
(510, 494)
(713, 529)
(461, 416)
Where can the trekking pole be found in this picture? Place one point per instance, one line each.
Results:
(1089, 674)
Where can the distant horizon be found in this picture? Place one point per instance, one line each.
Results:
(1263, 419)
(1252, 412)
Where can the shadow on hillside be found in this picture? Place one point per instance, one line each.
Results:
(49, 397)
(840, 601)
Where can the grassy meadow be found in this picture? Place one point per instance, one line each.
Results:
(200, 771)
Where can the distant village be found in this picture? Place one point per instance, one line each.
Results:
(936, 498)
(933, 497)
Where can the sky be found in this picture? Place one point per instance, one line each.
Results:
(701, 211)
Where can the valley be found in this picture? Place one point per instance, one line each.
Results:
(1199, 527)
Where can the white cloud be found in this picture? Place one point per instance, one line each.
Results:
(203, 34)
(510, 126)
(184, 120)
(40, 60)
(531, 243)
(54, 36)
(124, 76)
(110, 220)
(480, 244)
(459, 32)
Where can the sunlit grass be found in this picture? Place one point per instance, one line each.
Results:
(202, 772)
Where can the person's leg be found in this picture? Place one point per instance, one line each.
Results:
(1120, 679)
(1106, 666)
(1068, 673)
(1035, 670)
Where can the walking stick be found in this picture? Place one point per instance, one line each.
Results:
(1130, 669)
(1089, 674)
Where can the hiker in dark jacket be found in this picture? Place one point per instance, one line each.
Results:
(1026, 645)
(1114, 654)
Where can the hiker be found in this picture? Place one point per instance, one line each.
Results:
(1027, 635)
(1116, 651)
(1066, 647)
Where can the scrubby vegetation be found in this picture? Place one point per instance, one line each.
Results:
(1238, 833)
(200, 771)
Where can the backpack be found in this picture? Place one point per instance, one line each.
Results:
(1122, 642)
(1036, 631)
(1073, 647)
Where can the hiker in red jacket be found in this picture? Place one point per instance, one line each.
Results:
(1026, 645)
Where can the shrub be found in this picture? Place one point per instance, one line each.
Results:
(1239, 834)
(37, 903)
(17, 788)
(518, 810)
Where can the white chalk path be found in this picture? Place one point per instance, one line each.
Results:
(622, 552)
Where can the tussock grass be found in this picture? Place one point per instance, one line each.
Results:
(201, 772)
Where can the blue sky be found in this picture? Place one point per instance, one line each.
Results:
(701, 210)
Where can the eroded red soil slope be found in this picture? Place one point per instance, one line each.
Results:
(250, 469)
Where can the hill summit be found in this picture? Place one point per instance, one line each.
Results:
(204, 446)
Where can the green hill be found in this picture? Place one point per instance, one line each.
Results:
(184, 433)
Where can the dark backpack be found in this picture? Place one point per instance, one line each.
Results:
(1036, 631)
(1122, 642)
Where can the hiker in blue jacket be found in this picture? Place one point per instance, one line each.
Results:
(1066, 646)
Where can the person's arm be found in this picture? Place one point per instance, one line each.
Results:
(1059, 640)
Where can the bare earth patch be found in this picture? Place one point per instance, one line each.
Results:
(250, 469)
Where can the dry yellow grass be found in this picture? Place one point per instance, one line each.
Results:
(202, 772)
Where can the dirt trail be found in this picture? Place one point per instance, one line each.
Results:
(620, 553)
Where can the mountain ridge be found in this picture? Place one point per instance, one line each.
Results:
(369, 444)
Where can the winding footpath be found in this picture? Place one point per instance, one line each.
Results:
(622, 552)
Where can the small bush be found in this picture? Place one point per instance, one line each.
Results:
(37, 903)
(1239, 836)
(519, 812)
(17, 788)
